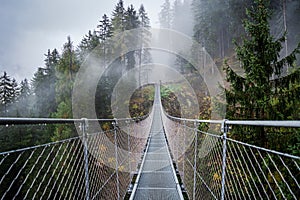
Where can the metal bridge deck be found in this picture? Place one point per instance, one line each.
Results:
(157, 178)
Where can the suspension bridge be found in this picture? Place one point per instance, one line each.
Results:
(153, 157)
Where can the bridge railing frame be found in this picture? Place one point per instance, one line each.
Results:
(83, 125)
(225, 128)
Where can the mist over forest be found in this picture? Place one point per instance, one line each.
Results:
(219, 26)
(213, 60)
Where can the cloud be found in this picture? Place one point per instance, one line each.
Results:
(30, 27)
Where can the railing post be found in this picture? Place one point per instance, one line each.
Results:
(115, 124)
(195, 158)
(129, 147)
(224, 129)
(184, 143)
(84, 127)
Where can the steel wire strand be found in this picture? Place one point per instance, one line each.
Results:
(171, 138)
(256, 173)
(2, 160)
(136, 146)
(106, 182)
(124, 177)
(188, 180)
(100, 172)
(214, 169)
(249, 171)
(206, 133)
(293, 177)
(66, 170)
(208, 160)
(135, 150)
(234, 167)
(292, 193)
(296, 165)
(48, 169)
(53, 173)
(244, 171)
(204, 182)
(80, 192)
(97, 174)
(230, 183)
(93, 141)
(79, 175)
(181, 162)
(270, 172)
(207, 187)
(70, 180)
(262, 172)
(38, 173)
(57, 179)
(207, 170)
(129, 149)
(103, 185)
(235, 177)
(29, 173)
(18, 174)
(245, 180)
(217, 156)
(231, 186)
(189, 176)
(14, 163)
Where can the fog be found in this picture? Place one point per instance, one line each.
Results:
(30, 27)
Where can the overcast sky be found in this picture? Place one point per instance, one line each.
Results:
(30, 27)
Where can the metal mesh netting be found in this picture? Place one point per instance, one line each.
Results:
(65, 170)
(251, 172)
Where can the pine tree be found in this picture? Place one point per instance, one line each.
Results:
(118, 26)
(8, 92)
(165, 15)
(66, 70)
(212, 23)
(39, 92)
(145, 35)
(51, 61)
(104, 33)
(131, 22)
(104, 27)
(24, 89)
(118, 18)
(255, 95)
(144, 55)
(88, 44)
(182, 17)
(24, 99)
(43, 83)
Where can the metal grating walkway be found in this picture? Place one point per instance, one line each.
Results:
(157, 178)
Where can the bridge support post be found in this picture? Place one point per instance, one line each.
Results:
(184, 143)
(129, 148)
(115, 124)
(224, 129)
(195, 158)
(84, 127)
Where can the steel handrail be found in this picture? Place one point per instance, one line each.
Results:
(27, 121)
(269, 123)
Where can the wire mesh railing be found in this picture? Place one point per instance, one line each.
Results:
(93, 165)
(214, 166)
(100, 164)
